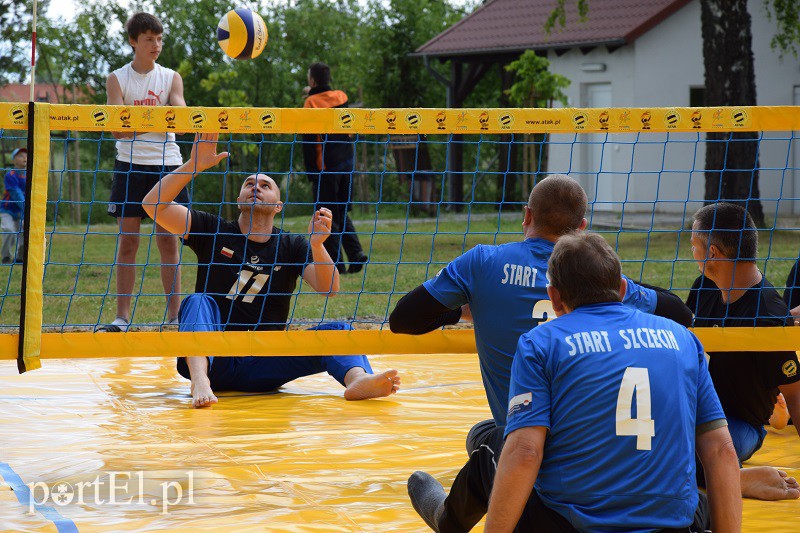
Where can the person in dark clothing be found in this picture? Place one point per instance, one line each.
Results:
(247, 271)
(732, 292)
(329, 164)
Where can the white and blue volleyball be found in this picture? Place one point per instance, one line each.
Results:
(242, 34)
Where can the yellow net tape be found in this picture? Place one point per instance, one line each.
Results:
(363, 121)
(299, 343)
(408, 121)
(35, 252)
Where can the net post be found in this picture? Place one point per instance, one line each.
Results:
(31, 304)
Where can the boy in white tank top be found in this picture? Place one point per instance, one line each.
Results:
(142, 159)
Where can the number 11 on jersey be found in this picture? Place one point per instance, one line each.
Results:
(244, 276)
(643, 426)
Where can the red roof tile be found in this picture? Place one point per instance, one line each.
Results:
(43, 92)
(517, 25)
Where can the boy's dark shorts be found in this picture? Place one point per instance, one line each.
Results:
(130, 185)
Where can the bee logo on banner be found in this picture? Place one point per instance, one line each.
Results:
(441, 117)
(197, 118)
(672, 118)
(580, 120)
(99, 116)
(268, 120)
(169, 118)
(506, 121)
(483, 120)
(222, 118)
(125, 117)
(17, 115)
(346, 119)
(646, 118)
(413, 119)
(391, 121)
(739, 118)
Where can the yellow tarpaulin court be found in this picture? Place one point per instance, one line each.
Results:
(83, 432)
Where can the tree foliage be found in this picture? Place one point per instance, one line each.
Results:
(536, 86)
(786, 14)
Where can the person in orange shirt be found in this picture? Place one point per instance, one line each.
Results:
(329, 164)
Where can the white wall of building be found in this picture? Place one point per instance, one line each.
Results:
(658, 70)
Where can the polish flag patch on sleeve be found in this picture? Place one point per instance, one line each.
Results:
(227, 252)
(520, 403)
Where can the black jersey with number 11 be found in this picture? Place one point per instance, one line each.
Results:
(251, 282)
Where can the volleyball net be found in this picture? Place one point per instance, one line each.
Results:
(427, 185)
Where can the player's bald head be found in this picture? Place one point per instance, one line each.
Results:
(558, 205)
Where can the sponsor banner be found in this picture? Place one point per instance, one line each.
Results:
(407, 121)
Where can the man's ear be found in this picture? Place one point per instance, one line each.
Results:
(555, 300)
(527, 218)
(583, 225)
(279, 207)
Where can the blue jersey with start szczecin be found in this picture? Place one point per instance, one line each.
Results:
(622, 393)
(506, 289)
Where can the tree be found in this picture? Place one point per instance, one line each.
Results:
(536, 86)
(731, 159)
(15, 39)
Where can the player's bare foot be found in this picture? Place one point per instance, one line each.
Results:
(362, 386)
(780, 413)
(767, 483)
(202, 395)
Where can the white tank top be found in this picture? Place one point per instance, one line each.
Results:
(149, 89)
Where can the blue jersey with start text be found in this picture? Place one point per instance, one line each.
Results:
(622, 393)
(506, 289)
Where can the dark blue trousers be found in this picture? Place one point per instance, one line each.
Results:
(199, 312)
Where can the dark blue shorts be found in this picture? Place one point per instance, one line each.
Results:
(130, 185)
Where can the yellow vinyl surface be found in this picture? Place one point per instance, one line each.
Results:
(303, 459)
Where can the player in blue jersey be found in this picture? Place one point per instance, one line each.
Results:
(247, 271)
(607, 407)
(504, 289)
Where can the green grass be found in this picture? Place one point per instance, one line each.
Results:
(79, 283)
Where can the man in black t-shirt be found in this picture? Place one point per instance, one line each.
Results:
(247, 272)
(732, 292)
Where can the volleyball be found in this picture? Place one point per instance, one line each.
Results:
(242, 34)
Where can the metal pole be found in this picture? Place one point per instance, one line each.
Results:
(33, 49)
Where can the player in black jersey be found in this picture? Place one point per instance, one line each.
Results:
(733, 292)
(247, 272)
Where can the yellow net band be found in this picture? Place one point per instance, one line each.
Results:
(407, 121)
(299, 343)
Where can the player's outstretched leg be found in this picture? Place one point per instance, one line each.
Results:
(767, 483)
(362, 386)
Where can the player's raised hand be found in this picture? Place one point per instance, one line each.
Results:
(319, 228)
(204, 151)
